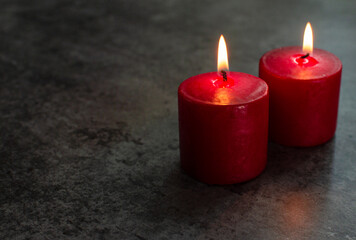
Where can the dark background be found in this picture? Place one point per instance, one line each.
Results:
(88, 122)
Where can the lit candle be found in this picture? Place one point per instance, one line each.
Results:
(304, 86)
(223, 124)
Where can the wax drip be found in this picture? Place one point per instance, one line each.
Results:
(224, 75)
(305, 56)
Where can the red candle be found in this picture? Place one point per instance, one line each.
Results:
(304, 93)
(223, 124)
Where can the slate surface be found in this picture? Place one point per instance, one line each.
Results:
(89, 126)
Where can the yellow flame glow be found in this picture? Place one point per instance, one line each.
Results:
(308, 39)
(223, 62)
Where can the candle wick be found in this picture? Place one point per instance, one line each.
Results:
(224, 75)
(305, 56)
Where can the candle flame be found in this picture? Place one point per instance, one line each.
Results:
(308, 39)
(223, 62)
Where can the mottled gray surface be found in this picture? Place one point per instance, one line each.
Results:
(88, 122)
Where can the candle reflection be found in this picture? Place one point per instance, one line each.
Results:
(297, 211)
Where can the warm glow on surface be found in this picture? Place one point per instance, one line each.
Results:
(223, 62)
(222, 96)
(308, 39)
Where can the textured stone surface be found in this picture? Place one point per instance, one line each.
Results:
(88, 122)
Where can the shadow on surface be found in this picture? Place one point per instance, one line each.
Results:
(292, 190)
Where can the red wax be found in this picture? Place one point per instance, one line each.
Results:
(223, 127)
(304, 95)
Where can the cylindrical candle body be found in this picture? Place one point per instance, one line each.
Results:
(223, 127)
(304, 95)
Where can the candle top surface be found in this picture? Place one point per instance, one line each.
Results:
(291, 63)
(210, 88)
